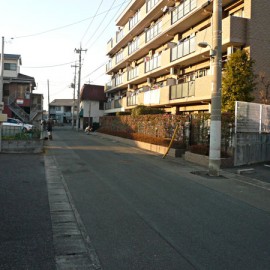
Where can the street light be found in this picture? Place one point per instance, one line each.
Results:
(216, 54)
(205, 45)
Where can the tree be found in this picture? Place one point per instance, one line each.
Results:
(238, 80)
(264, 93)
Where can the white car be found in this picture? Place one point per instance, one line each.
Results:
(17, 123)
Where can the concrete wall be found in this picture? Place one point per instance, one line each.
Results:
(22, 146)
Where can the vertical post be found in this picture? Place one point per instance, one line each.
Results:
(79, 51)
(1, 88)
(73, 103)
(215, 128)
(2, 76)
(48, 84)
(79, 86)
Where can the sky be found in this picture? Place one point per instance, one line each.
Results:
(46, 34)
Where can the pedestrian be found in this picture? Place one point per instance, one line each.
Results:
(43, 129)
(49, 128)
(88, 130)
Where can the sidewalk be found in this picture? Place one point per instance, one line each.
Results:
(26, 240)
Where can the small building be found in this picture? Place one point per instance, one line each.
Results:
(61, 110)
(92, 104)
(19, 99)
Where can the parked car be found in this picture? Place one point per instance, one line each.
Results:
(18, 123)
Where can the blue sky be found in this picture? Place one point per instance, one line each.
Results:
(45, 34)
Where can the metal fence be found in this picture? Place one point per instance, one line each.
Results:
(252, 117)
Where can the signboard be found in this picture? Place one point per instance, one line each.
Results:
(3, 117)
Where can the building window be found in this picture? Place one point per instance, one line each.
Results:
(150, 4)
(119, 56)
(134, 20)
(10, 66)
(184, 48)
(153, 63)
(133, 46)
(183, 9)
(153, 31)
(133, 73)
(109, 65)
(101, 105)
(119, 35)
(118, 79)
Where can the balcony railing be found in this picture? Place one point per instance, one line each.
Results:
(150, 4)
(153, 63)
(184, 48)
(132, 100)
(153, 31)
(133, 73)
(182, 90)
(183, 9)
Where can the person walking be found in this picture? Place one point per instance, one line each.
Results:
(49, 128)
(43, 128)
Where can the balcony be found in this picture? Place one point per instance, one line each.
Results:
(234, 33)
(193, 92)
(116, 105)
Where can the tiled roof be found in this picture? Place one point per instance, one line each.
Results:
(21, 78)
(12, 57)
(62, 102)
(93, 92)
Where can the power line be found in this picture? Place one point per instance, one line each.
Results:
(92, 20)
(65, 26)
(94, 70)
(58, 65)
(101, 23)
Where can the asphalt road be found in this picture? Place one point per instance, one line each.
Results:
(25, 225)
(144, 212)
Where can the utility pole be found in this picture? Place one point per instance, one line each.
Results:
(1, 89)
(2, 77)
(215, 128)
(79, 51)
(74, 87)
(48, 84)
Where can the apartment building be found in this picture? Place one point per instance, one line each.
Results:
(61, 110)
(155, 60)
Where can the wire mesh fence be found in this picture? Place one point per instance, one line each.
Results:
(18, 133)
(252, 117)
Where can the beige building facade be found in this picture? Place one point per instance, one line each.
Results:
(155, 60)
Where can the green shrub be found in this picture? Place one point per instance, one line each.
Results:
(142, 110)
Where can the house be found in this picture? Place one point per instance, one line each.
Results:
(19, 99)
(61, 110)
(92, 104)
(155, 60)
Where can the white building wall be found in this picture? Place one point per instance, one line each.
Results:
(91, 109)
